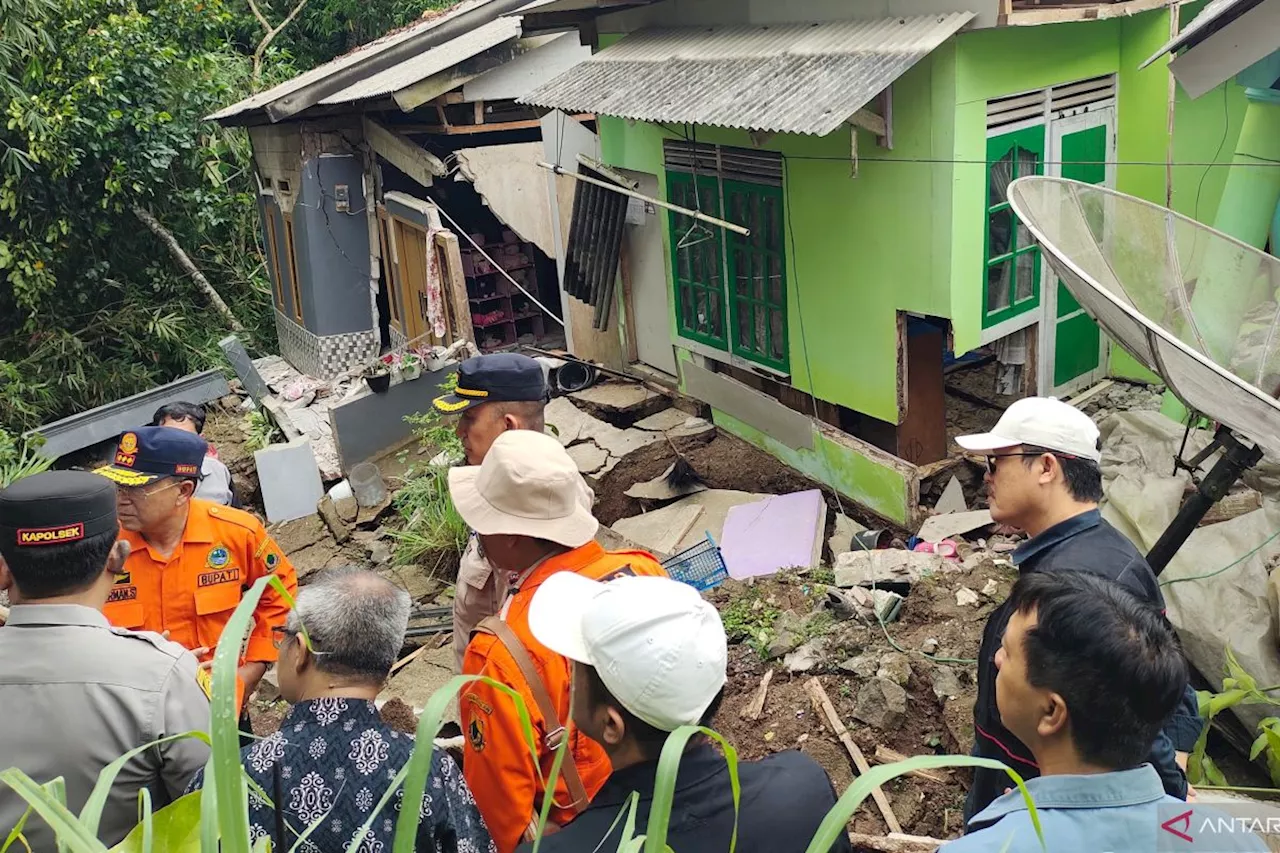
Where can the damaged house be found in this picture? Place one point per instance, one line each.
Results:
(356, 160)
(829, 232)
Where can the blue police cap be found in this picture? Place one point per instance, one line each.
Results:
(149, 453)
(499, 377)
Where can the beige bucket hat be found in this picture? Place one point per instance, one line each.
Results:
(526, 486)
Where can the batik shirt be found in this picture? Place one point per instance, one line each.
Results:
(331, 761)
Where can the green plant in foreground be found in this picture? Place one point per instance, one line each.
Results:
(433, 533)
(20, 458)
(1238, 688)
(260, 431)
(215, 819)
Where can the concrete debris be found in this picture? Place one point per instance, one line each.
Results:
(990, 588)
(620, 442)
(966, 597)
(663, 421)
(850, 603)
(289, 479)
(939, 527)
(715, 504)
(304, 402)
(663, 529)
(842, 539)
(619, 397)
(568, 420)
(806, 657)
(946, 683)
(693, 429)
(658, 489)
(896, 667)
(891, 568)
(268, 687)
(588, 456)
(612, 540)
(930, 646)
(952, 499)
(380, 553)
(888, 604)
(348, 509)
(787, 634)
(881, 704)
(779, 532)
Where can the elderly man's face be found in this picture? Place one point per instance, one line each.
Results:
(146, 508)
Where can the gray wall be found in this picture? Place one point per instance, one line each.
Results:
(375, 423)
(332, 247)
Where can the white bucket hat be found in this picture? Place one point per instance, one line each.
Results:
(526, 486)
(657, 646)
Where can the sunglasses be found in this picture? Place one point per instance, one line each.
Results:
(992, 457)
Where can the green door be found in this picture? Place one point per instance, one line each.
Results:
(1084, 143)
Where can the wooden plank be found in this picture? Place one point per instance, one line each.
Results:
(885, 755)
(408, 659)
(455, 129)
(894, 842)
(822, 704)
(1090, 12)
(1089, 393)
(870, 121)
(402, 153)
(755, 707)
(456, 284)
(477, 110)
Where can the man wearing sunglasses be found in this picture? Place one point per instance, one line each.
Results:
(190, 560)
(1043, 478)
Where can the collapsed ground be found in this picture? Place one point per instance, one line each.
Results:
(904, 687)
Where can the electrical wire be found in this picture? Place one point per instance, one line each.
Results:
(1231, 565)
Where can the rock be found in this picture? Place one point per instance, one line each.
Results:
(341, 532)
(891, 568)
(977, 558)
(930, 646)
(946, 684)
(348, 509)
(841, 541)
(785, 635)
(896, 667)
(966, 597)
(863, 666)
(269, 687)
(806, 657)
(588, 456)
(855, 602)
(881, 704)
(990, 588)
(379, 553)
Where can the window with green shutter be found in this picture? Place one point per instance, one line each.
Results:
(1012, 260)
(730, 290)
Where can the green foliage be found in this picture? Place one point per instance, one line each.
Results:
(1238, 688)
(19, 458)
(749, 619)
(433, 534)
(259, 431)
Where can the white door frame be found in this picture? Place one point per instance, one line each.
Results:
(1096, 116)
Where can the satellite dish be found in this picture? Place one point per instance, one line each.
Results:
(1197, 307)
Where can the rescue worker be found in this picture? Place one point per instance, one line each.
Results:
(191, 560)
(77, 693)
(495, 393)
(215, 478)
(525, 503)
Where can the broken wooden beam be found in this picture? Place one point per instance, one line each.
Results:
(822, 704)
(894, 842)
(885, 755)
(755, 707)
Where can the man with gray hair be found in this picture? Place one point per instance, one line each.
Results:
(333, 758)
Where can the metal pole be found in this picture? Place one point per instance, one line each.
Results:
(1236, 459)
(737, 229)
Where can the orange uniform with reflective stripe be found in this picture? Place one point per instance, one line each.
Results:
(497, 764)
(193, 592)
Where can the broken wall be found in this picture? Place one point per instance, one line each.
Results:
(514, 187)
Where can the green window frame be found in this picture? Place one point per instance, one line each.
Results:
(731, 290)
(1011, 259)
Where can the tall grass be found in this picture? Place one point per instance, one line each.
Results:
(216, 820)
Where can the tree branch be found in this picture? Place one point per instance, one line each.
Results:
(188, 266)
(270, 36)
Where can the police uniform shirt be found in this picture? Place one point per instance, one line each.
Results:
(77, 694)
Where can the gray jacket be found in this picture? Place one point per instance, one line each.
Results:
(77, 694)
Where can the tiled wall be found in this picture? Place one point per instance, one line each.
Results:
(323, 357)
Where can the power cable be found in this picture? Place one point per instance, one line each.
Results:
(1231, 565)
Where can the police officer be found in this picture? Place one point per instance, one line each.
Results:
(191, 560)
(495, 393)
(76, 692)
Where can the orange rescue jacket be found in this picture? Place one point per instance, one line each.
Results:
(497, 764)
(193, 592)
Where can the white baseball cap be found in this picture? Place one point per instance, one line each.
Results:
(1040, 422)
(657, 646)
(526, 486)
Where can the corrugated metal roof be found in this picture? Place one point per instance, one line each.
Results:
(788, 78)
(429, 62)
(1215, 15)
(347, 60)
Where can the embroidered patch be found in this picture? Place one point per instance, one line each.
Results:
(124, 578)
(129, 443)
(218, 557)
(475, 700)
(185, 470)
(205, 680)
(123, 593)
(50, 535)
(271, 561)
(475, 733)
(221, 576)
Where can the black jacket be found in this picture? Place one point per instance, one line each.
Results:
(784, 799)
(1085, 543)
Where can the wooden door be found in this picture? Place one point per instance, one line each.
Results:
(411, 246)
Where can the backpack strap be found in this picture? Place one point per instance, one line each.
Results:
(495, 627)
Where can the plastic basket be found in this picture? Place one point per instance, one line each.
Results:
(700, 566)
